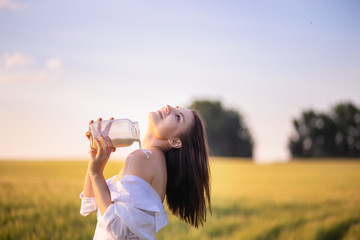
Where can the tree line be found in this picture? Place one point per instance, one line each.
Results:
(332, 134)
(316, 134)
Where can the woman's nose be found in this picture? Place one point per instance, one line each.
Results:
(167, 109)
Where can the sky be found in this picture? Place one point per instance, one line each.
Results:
(63, 63)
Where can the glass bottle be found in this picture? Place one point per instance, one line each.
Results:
(122, 132)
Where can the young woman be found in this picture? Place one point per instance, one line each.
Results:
(174, 163)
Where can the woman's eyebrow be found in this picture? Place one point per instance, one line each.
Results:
(182, 115)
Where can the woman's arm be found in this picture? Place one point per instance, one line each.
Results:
(88, 189)
(98, 160)
(101, 192)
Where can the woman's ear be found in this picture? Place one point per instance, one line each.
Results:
(175, 142)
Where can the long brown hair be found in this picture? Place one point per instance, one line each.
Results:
(188, 175)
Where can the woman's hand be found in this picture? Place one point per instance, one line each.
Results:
(100, 155)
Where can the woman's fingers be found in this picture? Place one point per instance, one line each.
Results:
(107, 127)
(100, 149)
(105, 144)
(111, 146)
(98, 125)
(88, 134)
(92, 152)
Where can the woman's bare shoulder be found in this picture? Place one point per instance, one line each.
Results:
(145, 155)
(142, 164)
(137, 154)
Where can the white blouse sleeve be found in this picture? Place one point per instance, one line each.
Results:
(88, 205)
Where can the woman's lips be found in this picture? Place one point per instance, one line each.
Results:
(160, 113)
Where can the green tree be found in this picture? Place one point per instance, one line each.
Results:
(315, 134)
(347, 139)
(327, 135)
(226, 132)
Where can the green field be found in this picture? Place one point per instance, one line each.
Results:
(297, 200)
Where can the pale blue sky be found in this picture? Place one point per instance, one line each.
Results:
(63, 63)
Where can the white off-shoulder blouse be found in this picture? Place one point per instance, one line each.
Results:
(137, 211)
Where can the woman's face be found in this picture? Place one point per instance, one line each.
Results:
(169, 122)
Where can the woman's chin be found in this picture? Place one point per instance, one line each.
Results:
(152, 118)
(152, 115)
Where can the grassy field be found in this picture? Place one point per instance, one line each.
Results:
(298, 200)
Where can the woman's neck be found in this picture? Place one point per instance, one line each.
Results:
(149, 141)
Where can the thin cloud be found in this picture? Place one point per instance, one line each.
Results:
(22, 68)
(9, 4)
(15, 60)
(54, 64)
